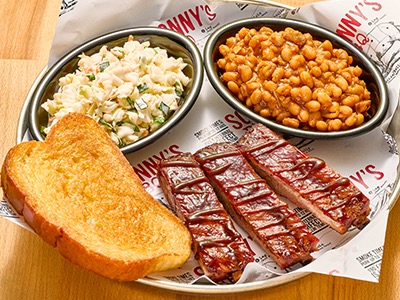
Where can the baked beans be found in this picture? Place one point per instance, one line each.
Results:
(295, 80)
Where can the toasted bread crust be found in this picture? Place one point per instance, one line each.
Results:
(80, 194)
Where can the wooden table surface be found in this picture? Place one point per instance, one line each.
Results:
(30, 269)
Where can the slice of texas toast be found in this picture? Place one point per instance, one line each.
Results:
(80, 194)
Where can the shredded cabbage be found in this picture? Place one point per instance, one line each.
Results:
(129, 90)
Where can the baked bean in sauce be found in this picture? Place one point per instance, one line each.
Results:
(295, 80)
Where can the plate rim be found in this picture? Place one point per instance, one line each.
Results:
(201, 289)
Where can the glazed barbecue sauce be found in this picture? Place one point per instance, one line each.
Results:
(220, 249)
(334, 195)
(271, 222)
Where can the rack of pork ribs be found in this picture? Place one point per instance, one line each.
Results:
(243, 180)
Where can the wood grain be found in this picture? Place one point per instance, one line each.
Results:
(30, 269)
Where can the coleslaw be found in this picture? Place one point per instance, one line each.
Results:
(130, 90)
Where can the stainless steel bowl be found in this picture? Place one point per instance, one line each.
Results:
(371, 75)
(176, 44)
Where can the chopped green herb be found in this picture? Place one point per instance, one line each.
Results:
(104, 65)
(178, 89)
(142, 87)
(159, 119)
(91, 77)
(121, 143)
(131, 103)
(42, 128)
(178, 93)
(135, 127)
(141, 103)
(164, 108)
(104, 123)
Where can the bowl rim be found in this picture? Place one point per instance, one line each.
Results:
(303, 26)
(173, 120)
